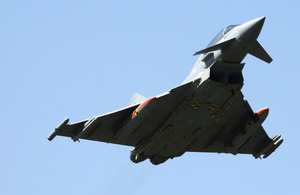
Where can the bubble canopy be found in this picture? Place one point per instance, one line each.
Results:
(221, 34)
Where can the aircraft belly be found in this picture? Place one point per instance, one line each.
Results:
(201, 116)
(164, 106)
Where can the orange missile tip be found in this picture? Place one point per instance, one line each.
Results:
(146, 102)
(262, 110)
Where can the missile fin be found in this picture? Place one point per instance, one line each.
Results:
(271, 150)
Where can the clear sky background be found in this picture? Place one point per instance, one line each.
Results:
(79, 59)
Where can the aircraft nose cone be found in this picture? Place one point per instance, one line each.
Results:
(256, 24)
(258, 21)
(250, 30)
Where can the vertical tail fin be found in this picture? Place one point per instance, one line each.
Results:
(137, 99)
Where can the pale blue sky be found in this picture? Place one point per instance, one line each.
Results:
(80, 59)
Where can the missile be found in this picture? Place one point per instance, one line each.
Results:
(89, 126)
(54, 133)
(275, 146)
(250, 127)
(137, 157)
(275, 138)
(268, 149)
(136, 118)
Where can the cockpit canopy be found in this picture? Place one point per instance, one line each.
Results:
(221, 34)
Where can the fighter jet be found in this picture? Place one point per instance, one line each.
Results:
(206, 113)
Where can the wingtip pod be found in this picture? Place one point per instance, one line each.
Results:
(267, 150)
(273, 148)
(54, 133)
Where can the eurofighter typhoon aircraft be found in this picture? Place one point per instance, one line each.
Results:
(206, 113)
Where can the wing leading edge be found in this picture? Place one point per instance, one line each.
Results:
(249, 137)
(99, 128)
(105, 128)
